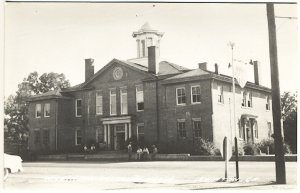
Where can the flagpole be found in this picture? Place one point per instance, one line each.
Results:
(231, 44)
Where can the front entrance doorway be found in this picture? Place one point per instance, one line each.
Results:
(119, 137)
(120, 141)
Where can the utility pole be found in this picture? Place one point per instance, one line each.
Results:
(276, 107)
(1, 98)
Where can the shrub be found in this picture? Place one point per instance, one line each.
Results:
(240, 148)
(267, 146)
(205, 147)
(251, 149)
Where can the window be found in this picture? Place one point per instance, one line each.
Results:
(249, 101)
(220, 94)
(124, 106)
(38, 110)
(244, 100)
(180, 95)
(143, 48)
(47, 110)
(99, 103)
(268, 105)
(181, 128)
(140, 133)
(46, 137)
(241, 129)
(255, 128)
(77, 137)
(197, 128)
(149, 42)
(139, 98)
(113, 101)
(36, 134)
(270, 130)
(78, 107)
(196, 94)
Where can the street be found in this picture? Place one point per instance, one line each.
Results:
(186, 175)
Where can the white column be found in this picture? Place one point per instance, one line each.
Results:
(115, 138)
(126, 133)
(129, 124)
(105, 133)
(108, 140)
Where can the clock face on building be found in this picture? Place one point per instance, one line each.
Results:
(118, 73)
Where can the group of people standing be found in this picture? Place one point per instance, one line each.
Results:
(142, 154)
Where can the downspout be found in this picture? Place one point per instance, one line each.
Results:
(157, 109)
(212, 109)
(56, 118)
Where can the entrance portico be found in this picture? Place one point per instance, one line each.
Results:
(249, 128)
(117, 130)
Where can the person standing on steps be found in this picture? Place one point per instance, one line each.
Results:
(129, 148)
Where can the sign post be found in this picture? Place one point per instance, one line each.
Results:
(225, 152)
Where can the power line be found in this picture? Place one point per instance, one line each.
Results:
(282, 17)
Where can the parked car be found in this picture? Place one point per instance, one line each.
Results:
(12, 164)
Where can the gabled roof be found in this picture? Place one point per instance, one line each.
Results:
(199, 74)
(166, 67)
(192, 73)
(131, 65)
(48, 95)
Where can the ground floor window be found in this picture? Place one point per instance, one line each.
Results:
(270, 131)
(197, 128)
(78, 137)
(36, 135)
(181, 130)
(140, 133)
(99, 134)
(46, 137)
(255, 128)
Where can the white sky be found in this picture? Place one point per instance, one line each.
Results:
(57, 37)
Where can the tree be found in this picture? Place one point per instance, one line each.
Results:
(289, 116)
(16, 106)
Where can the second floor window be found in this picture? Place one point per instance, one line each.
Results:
(113, 101)
(99, 103)
(180, 96)
(249, 99)
(78, 107)
(220, 94)
(196, 94)
(47, 110)
(181, 129)
(38, 110)
(268, 104)
(124, 106)
(139, 98)
(246, 99)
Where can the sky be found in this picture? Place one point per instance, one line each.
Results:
(57, 37)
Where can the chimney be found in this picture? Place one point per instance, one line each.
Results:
(216, 68)
(203, 65)
(256, 68)
(89, 68)
(152, 60)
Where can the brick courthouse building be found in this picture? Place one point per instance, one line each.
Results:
(149, 99)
